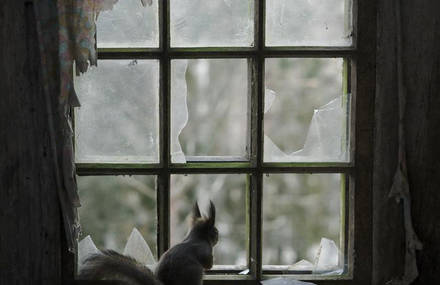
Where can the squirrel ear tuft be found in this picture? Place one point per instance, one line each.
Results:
(196, 212)
(211, 218)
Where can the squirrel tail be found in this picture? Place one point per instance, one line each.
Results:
(111, 265)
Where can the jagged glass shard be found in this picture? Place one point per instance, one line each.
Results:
(308, 23)
(131, 23)
(284, 281)
(179, 108)
(196, 23)
(111, 206)
(302, 265)
(269, 98)
(306, 117)
(291, 199)
(325, 140)
(138, 248)
(327, 257)
(208, 109)
(86, 248)
(119, 117)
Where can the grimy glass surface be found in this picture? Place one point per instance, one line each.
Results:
(128, 24)
(119, 123)
(200, 23)
(306, 113)
(299, 210)
(227, 192)
(118, 120)
(112, 205)
(308, 23)
(210, 95)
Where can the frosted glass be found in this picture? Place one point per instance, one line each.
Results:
(209, 106)
(228, 193)
(201, 23)
(118, 120)
(308, 23)
(111, 206)
(306, 112)
(299, 210)
(128, 24)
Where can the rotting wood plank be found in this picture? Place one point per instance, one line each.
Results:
(30, 239)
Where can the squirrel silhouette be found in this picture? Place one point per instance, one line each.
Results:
(182, 264)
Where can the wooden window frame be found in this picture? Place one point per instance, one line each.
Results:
(358, 197)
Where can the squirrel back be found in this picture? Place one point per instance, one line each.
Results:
(185, 262)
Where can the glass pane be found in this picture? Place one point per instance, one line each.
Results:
(200, 23)
(208, 108)
(227, 192)
(301, 214)
(118, 120)
(306, 110)
(308, 23)
(128, 24)
(112, 205)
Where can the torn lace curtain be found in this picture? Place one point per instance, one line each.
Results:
(72, 25)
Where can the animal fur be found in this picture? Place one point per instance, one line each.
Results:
(182, 264)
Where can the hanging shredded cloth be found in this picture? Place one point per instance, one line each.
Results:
(67, 32)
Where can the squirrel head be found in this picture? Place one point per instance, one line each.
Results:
(203, 226)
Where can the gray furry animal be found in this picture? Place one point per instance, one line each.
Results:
(111, 265)
(183, 264)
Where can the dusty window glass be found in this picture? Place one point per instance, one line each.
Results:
(227, 192)
(308, 23)
(306, 110)
(111, 206)
(128, 24)
(212, 97)
(302, 222)
(199, 23)
(208, 109)
(118, 118)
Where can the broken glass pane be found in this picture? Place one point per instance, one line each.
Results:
(208, 108)
(128, 24)
(227, 192)
(118, 120)
(111, 206)
(298, 211)
(306, 112)
(201, 23)
(308, 23)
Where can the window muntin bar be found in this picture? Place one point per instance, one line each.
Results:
(258, 53)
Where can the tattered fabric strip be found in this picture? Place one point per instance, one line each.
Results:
(59, 125)
(76, 39)
(400, 188)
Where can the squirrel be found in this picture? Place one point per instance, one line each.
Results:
(182, 264)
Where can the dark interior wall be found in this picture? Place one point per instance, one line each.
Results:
(30, 226)
(421, 73)
(421, 52)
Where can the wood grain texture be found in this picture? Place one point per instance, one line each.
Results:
(421, 71)
(30, 238)
(421, 50)
(388, 232)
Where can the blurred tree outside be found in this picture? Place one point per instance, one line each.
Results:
(297, 209)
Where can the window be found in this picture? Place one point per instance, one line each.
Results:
(262, 106)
